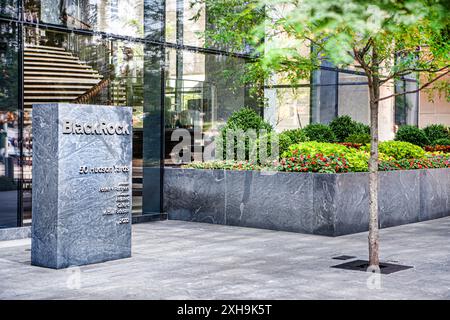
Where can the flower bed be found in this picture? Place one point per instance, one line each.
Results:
(438, 148)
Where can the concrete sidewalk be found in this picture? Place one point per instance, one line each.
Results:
(185, 260)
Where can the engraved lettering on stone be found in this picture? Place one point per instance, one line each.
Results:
(70, 127)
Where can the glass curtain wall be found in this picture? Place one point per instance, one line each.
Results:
(146, 54)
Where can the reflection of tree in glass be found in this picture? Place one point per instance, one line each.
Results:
(8, 68)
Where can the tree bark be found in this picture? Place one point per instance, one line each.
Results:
(374, 93)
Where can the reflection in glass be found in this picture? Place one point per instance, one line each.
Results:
(9, 8)
(324, 96)
(406, 110)
(9, 126)
(85, 69)
(201, 92)
(287, 108)
(353, 97)
(121, 17)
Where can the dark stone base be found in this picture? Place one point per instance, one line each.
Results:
(363, 265)
(314, 203)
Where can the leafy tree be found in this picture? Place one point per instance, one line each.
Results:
(386, 39)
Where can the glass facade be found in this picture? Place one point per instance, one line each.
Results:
(146, 54)
(149, 55)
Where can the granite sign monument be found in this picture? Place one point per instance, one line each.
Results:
(81, 184)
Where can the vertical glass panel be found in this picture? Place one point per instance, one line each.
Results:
(223, 73)
(9, 126)
(152, 148)
(171, 21)
(411, 101)
(121, 17)
(154, 19)
(400, 104)
(288, 108)
(353, 97)
(324, 96)
(9, 8)
(193, 29)
(406, 109)
(201, 92)
(152, 122)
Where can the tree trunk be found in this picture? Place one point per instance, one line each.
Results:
(374, 93)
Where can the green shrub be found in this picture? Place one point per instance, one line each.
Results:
(358, 160)
(363, 138)
(290, 137)
(247, 118)
(344, 126)
(295, 135)
(283, 143)
(413, 135)
(441, 142)
(223, 165)
(319, 132)
(242, 121)
(400, 150)
(436, 132)
(361, 128)
(314, 147)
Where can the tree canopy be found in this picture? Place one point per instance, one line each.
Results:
(387, 39)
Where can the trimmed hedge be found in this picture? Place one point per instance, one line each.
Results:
(319, 132)
(400, 150)
(345, 126)
(361, 138)
(413, 135)
(436, 132)
(242, 121)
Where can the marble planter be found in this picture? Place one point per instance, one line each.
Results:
(324, 204)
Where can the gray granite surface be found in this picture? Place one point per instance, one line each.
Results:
(188, 260)
(75, 221)
(15, 233)
(324, 204)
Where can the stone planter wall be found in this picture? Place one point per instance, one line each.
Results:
(315, 203)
